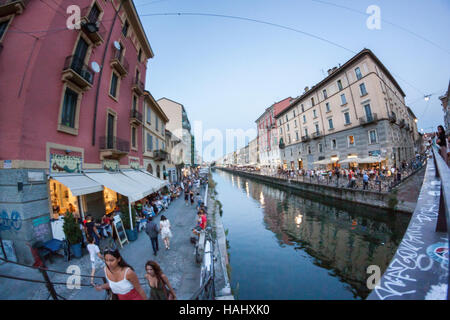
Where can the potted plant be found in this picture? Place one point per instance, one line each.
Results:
(125, 216)
(73, 234)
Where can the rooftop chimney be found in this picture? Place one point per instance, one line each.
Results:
(306, 89)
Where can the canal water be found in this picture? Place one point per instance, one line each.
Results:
(284, 246)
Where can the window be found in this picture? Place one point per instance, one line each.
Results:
(134, 102)
(69, 108)
(330, 123)
(125, 29)
(362, 88)
(304, 119)
(156, 123)
(306, 132)
(149, 115)
(358, 73)
(133, 137)
(303, 108)
(288, 127)
(94, 14)
(317, 128)
(3, 26)
(351, 141)
(286, 117)
(324, 91)
(289, 138)
(309, 149)
(140, 55)
(368, 111)
(347, 117)
(296, 135)
(157, 144)
(327, 105)
(333, 144)
(281, 130)
(294, 113)
(373, 136)
(343, 100)
(339, 84)
(319, 146)
(149, 142)
(295, 123)
(314, 114)
(114, 82)
(312, 101)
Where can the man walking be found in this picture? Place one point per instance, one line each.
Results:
(365, 181)
(152, 231)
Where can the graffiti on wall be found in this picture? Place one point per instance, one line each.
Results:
(11, 222)
(41, 228)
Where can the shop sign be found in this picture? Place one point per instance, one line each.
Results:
(65, 163)
(134, 164)
(111, 165)
(7, 164)
(375, 153)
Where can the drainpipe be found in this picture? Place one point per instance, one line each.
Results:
(101, 70)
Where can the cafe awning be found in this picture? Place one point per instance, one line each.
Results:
(370, 160)
(350, 160)
(78, 183)
(151, 183)
(120, 183)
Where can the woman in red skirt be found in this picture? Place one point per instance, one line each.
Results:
(122, 280)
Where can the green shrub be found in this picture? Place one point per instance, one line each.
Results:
(125, 215)
(72, 229)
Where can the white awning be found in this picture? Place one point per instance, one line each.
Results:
(352, 160)
(151, 183)
(120, 183)
(371, 160)
(78, 183)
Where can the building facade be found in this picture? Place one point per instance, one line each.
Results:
(180, 127)
(156, 158)
(70, 102)
(354, 115)
(445, 101)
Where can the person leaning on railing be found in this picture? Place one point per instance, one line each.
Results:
(441, 141)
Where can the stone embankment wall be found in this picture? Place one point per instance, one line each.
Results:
(364, 197)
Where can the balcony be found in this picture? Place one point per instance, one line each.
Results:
(119, 63)
(408, 127)
(135, 117)
(306, 138)
(93, 28)
(160, 155)
(113, 147)
(402, 123)
(393, 118)
(281, 145)
(78, 73)
(138, 86)
(316, 134)
(8, 7)
(371, 118)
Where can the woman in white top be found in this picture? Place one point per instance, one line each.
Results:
(166, 234)
(122, 280)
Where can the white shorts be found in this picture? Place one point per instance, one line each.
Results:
(97, 264)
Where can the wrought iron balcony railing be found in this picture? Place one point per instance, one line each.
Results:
(160, 155)
(368, 119)
(114, 144)
(317, 134)
(138, 86)
(135, 116)
(80, 73)
(8, 7)
(305, 138)
(119, 62)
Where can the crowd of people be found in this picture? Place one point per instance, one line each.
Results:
(121, 277)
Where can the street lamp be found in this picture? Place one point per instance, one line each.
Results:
(427, 97)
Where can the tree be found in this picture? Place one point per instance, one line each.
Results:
(72, 229)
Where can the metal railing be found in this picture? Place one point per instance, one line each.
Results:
(77, 64)
(160, 155)
(118, 55)
(138, 84)
(373, 117)
(135, 114)
(114, 143)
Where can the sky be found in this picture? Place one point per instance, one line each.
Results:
(227, 71)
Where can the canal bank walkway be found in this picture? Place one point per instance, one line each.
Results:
(178, 263)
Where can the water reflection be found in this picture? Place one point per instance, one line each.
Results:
(343, 239)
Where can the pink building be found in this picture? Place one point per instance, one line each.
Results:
(70, 101)
(268, 134)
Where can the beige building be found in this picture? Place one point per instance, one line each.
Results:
(253, 152)
(355, 115)
(180, 127)
(445, 101)
(155, 156)
(174, 160)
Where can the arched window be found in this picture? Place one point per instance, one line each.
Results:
(158, 171)
(150, 168)
(164, 172)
